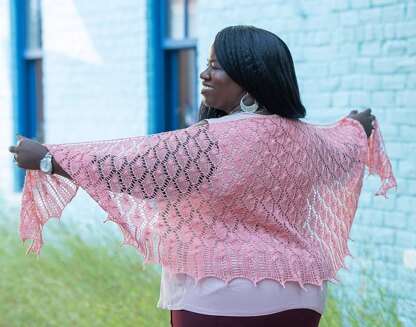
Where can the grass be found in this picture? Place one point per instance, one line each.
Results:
(75, 283)
(361, 301)
(79, 283)
(360, 310)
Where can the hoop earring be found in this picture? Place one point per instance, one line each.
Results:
(251, 108)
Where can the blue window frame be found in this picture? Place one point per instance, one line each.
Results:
(26, 36)
(172, 58)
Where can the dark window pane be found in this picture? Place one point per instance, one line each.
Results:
(187, 109)
(40, 131)
(33, 25)
(192, 18)
(176, 19)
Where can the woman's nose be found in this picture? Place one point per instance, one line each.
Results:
(205, 74)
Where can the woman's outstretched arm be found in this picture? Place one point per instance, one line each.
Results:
(29, 153)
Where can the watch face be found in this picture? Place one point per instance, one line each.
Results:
(45, 166)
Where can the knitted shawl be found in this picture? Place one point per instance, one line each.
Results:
(263, 197)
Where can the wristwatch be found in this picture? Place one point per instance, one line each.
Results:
(46, 164)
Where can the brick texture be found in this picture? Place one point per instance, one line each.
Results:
(6, 122)
(95, 69)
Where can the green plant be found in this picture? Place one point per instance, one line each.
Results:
(75, 283)
(365, 304)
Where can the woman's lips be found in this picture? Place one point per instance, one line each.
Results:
(206, 88)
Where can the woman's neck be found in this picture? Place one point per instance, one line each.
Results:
(259, 111)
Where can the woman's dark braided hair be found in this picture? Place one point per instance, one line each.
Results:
(261, 63)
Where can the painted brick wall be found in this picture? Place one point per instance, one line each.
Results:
(94, 69)
(94, 82)
(349, 54)
(94, 73)
(5, 99)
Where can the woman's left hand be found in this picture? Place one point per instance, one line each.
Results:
(28, 153)
(365, 118)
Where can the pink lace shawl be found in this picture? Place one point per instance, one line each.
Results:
(257, 198)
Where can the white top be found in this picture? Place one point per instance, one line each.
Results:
(212, 296)
(240, 297)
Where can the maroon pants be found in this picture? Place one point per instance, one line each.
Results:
(289, 318)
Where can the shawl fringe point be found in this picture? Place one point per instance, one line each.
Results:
(255, 281)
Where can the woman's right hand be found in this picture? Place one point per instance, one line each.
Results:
(28, 153)
(365, 118)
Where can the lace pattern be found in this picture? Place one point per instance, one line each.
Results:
(257, 198)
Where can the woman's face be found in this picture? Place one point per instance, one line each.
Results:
(218, 89)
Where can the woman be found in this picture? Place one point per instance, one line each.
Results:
(248, 213)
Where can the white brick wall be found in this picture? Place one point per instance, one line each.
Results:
(94, 73)
(348, 54)
(94, 69)
(94, 81)
(5, 100)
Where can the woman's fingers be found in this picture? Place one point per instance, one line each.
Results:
(370, 116)
(365, 118)
(15, 149)
(20, 137)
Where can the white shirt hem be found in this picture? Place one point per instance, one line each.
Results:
(245, 313)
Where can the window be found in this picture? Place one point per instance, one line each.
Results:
(174, 63)
(33, 58)
(181, 19)
(27, 81)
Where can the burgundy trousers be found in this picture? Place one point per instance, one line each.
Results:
(289, 318)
